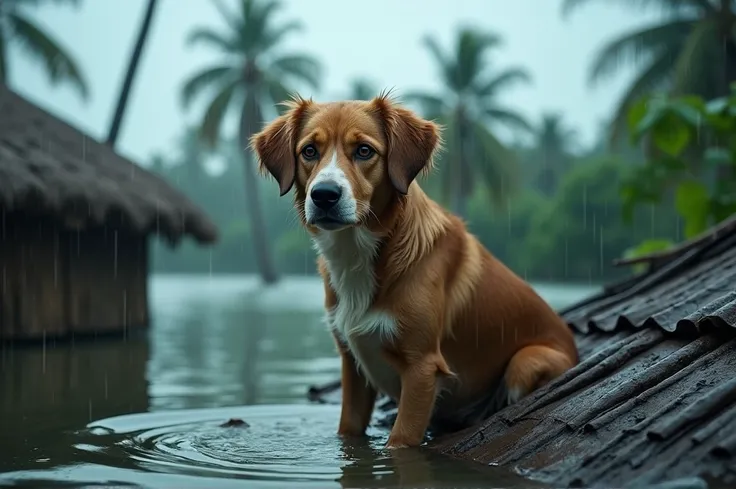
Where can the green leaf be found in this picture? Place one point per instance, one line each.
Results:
(637, 112)
(647, 247)
(690, 109)
(693, 204)
(671, 134)
(654, 112)
(716, 106)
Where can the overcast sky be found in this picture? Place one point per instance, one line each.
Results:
(378, 39)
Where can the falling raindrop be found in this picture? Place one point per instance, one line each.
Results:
(125, 314)
(43, 353)
(56, 259)
(115, 258)
(585, 206)
(600, 247)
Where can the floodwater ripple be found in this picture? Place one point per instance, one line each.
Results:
(276, 446)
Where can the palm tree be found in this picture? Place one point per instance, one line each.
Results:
(468, 107)
(693, 50)
(17, 29)
(554, 149)
(135, 58)
(252, 77)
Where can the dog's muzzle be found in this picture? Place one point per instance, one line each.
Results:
(329, 207)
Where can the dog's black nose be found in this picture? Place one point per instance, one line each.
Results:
(325, 195)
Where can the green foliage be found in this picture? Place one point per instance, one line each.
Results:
(692, 157)
(579, 234)
(688, 50)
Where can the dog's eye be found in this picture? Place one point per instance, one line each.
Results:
(364, 152)
(309, 152)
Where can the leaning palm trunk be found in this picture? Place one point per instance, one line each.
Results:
(135, 59)
(248, 118)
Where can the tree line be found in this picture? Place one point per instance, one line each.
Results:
(549, 208)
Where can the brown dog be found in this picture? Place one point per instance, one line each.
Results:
(419, 309)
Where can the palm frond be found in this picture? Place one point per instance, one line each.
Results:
(431, 106)
(275, 34)
(257, 32)
(203, 80)
(638, 46)
(277, 93)
(446, 66)
(209, 129)
(472, 46)
(208, 37)
(495, 164)
(568, 6)
(3, 56)
(506, 79)
(362, 89)
(60, 66)
(300, 67)
(692, 63)
(656, 76)
(230, 18)
(508, 118)
(40, 3)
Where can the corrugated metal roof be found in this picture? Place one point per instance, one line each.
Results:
(654, 396)
(646, 408)
(692, 291)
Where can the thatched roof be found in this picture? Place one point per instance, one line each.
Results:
(48, 167)
(654, 396)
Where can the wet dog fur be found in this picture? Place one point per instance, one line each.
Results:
(418, 308)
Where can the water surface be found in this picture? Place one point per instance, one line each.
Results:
(147, 410)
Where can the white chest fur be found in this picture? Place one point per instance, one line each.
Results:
(350, 256)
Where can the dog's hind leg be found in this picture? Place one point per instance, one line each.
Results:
(532, 367)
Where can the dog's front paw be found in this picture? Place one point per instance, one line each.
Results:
(394, 445)
(398, 441)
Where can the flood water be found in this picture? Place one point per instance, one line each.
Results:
(147, 410)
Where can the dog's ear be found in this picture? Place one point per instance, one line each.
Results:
(275, 145)
(412, 142)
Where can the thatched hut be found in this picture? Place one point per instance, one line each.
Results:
(75, 218)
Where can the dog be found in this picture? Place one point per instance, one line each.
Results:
(419, 310)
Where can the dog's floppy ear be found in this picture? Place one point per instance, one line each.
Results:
(275, 144)
(412, 142)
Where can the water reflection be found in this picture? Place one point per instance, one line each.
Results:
(370, 467)
(217, 343)
(226, 341)
(46, 391)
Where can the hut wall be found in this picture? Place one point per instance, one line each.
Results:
(56, 282)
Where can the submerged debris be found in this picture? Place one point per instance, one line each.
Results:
(234, 423)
